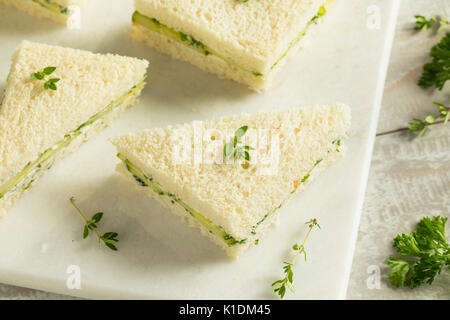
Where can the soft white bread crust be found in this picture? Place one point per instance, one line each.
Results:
(213, 64)
(236, 250)
(253, 33)
(209, 63)
(232, 251)
(37, 10)
(63, 3)
(33, 119)
(12, 197)
(232, 196)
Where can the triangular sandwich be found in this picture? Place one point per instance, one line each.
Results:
(56, 98)
(246, 41)
(231, 176)
(62, 11)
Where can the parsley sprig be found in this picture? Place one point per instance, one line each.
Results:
(425, 252)
(50, 84)
(444, 112)
(423, 23)
(109, 238)
(437, 72)
(234, 150)
(420, 126)
(280, 286)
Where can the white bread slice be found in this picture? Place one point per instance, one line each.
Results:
(258, 35)
(237, 197)
(34, 120)
(209, 63)
(34, 8)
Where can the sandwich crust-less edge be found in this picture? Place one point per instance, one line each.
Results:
(327, 124)
(232, 251)
(37, 10)
(208, 63)
(39, 127)
(256, 69)
(11, 199)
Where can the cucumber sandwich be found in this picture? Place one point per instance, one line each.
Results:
(55, 99)
(230, 177)
(246, 41)
(63, 11)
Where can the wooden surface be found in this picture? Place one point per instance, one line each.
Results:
(409, 177)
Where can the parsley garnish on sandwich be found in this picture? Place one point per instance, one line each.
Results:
(233, 149)
(37, 129)
(41, 75)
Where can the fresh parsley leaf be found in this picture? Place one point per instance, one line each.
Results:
(437, 72)
(401, 270)
(50, 84)
(40, 75)
(109, 238)
(240, 132)
(85, 232)
(430, 233)
(423, 23)
(425, 251)
(280, 286)
(111, 246)
(37, 76)
(313, 223)
(444, 112)
(420, 126)
(406, 244)
(229, 148)
(232, 149)
(97, 217)
(49, 70)
(443, 24)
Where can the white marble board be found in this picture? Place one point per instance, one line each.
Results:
(159, 257)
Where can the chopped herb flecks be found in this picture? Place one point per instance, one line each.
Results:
(109, 238)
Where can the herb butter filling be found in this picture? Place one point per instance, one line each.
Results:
(187, 40)
(145, 180)
(52, 6)
(26, 177)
